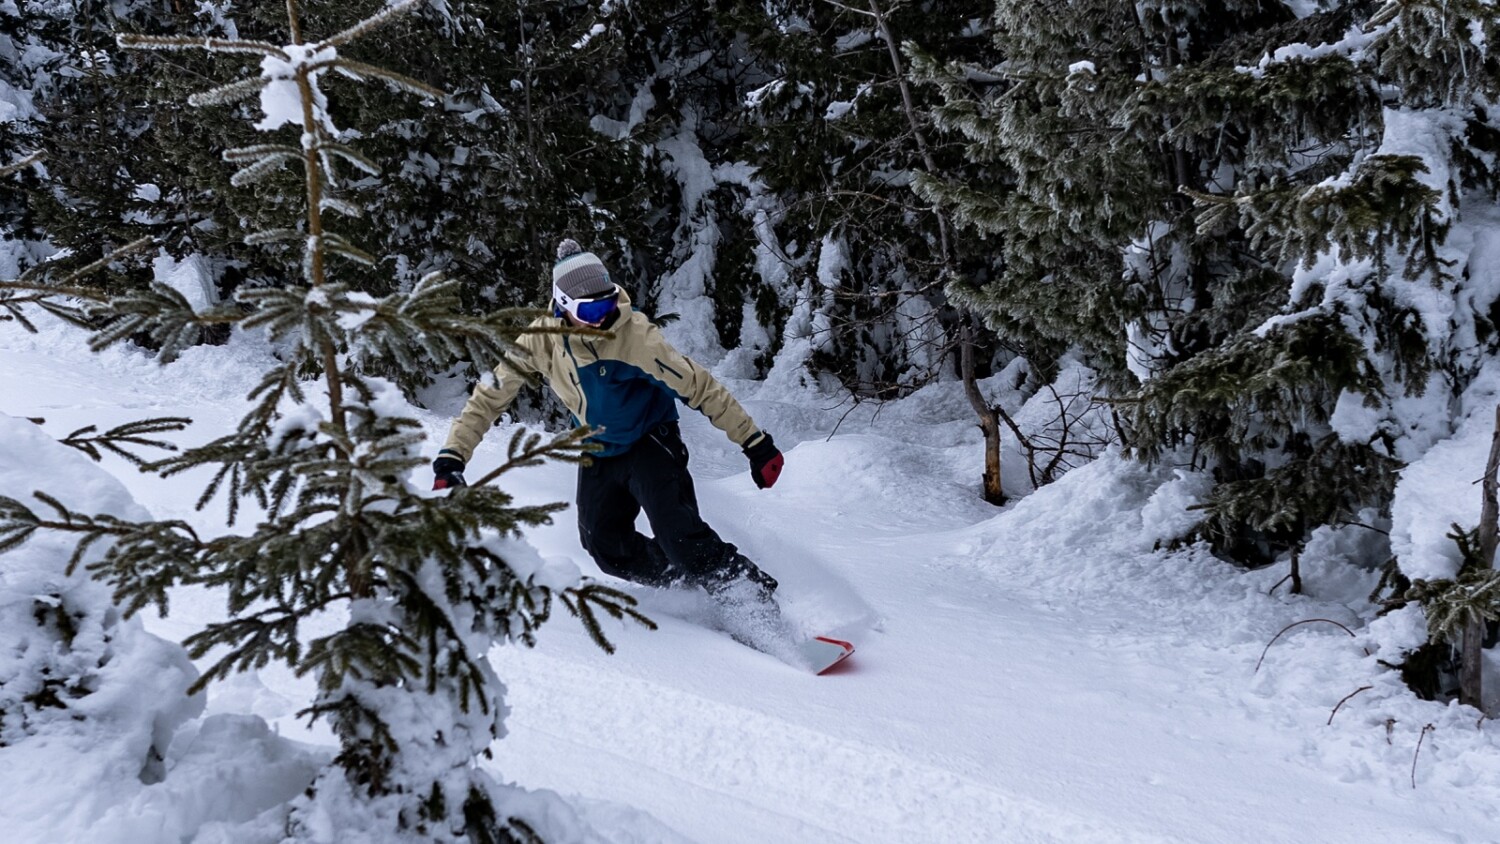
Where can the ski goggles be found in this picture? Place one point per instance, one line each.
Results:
(592, 311)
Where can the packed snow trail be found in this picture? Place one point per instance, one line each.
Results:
(1001, 701)
(1030, 674)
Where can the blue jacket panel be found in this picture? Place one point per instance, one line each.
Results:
(623, 400)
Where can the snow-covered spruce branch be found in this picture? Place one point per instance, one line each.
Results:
(368, 25)
(344, 207)
(279, 385)
(64, 286)
(421, 329)
(371, 650)
(527, 606)
(252, 640)
(14, 309)
(260, 162)
(232, 454)
(290, 314)
(431, 617)
(425, 328)
(144, 560)
(361, 71)
(257, 152)
(160, 312)
(528, 449)
(228, 94)
(132, 41)
(89, 441)
(267, 236)
(347, 153)
(27, 161)
(1298, 222)
(584, 601)
(341, 246)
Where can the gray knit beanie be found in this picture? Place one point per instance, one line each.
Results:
(578, 274)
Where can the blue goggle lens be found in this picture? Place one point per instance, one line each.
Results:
(596, 310)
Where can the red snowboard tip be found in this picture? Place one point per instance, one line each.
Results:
(846, 647)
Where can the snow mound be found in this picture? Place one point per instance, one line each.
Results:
(1435, 491)
(97, 738)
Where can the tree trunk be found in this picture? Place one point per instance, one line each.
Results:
(909, 106)
(989, 419)
(1470, 672)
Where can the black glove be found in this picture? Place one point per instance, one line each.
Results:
(449, 472)
(765, 461)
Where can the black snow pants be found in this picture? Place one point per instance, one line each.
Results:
(653, 476)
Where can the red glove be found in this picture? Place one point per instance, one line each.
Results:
(448, 472)
(765, 461)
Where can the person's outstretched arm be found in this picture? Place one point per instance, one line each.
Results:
(480, 413)
(702, 392)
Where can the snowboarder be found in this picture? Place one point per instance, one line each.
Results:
(625, 387)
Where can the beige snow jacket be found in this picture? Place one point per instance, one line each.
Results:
(626, 385)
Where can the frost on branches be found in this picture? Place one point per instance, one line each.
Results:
(1303, 196)
(1395, 250)
(323, 458)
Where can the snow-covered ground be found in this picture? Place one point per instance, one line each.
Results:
(1036, 673)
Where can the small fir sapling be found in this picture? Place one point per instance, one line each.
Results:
(428, 584)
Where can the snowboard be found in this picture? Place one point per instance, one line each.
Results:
(821, 653)
(771, 634)
(749, 624)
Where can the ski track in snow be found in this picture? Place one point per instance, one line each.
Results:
(1031, 674)
(858, 792)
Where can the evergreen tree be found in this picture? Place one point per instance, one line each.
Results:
(428, 584)
(1385, 223)
(480, 188)
(94, 187)
(837, 142)
(1354, 193)
(1172, 173)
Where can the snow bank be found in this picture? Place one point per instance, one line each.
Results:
(1042, 674)
(1238, 641)
(1437, 490)
(97, 741)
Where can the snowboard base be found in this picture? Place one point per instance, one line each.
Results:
(821, 653)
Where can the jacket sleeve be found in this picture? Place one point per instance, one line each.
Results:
(487, 402)
(693, 384)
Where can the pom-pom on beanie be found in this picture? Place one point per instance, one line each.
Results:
(578, 274)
